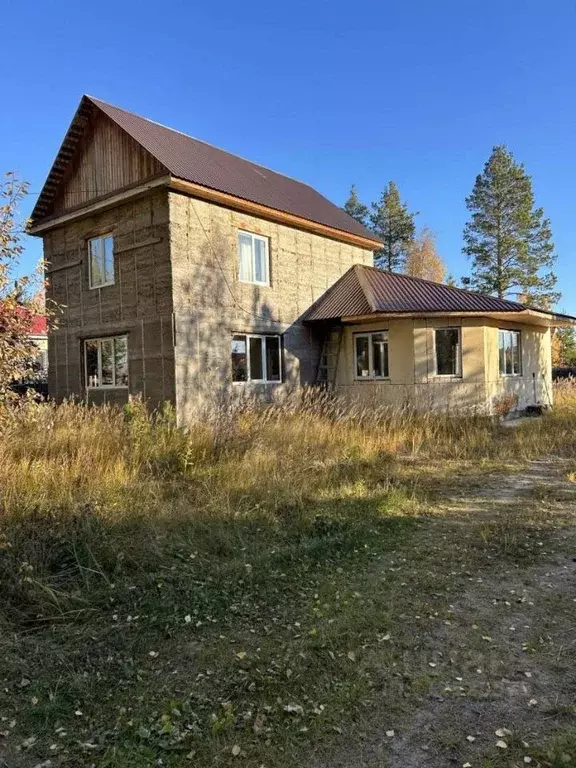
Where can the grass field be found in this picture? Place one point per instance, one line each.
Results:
(312, 583)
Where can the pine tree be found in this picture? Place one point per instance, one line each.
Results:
(423, 260)
(507, 238)
(355, 207)
(394, 225)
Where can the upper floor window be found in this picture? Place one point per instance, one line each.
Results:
(448, 353)
(256, 358)
(253, 259)
(371, 355)
(101, 261)
(106, 362)
(509, 353)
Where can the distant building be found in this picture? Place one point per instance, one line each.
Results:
(39, 335)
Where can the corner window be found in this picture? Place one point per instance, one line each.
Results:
(371, 355)
(106, 362)
(509, 353)
(448, 351)
(256, 358)
(101, 261)
(253, 266)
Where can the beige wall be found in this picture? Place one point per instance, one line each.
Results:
(412, 365)
(535, 384)
(210, 303)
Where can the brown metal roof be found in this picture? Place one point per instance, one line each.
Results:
(366, 290)
(195, 161)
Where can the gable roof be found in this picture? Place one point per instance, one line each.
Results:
(366, 290)
(200, 163)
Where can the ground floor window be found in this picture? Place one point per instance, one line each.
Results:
(509, 352)
(371, 355)
(447, 347)
(106, 362)
(256, 358)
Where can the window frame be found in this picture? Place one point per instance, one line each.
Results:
(264, 337)
(368, 335)
(511, 332)
(254, 236)
(99, 340)
(92, 286)
(458, 374)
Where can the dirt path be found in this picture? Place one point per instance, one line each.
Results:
(502, 686)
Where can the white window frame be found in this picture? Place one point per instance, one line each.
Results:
(264, 240)
(368, 335)
(510, 331)
(262, 336)
(458, 374)
(91, 283)
(99, 340)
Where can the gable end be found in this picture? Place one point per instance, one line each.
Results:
(97, 158)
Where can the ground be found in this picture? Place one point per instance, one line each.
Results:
(495, 658)
(333, 600)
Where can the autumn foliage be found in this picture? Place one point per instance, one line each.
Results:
(16, 313)
(423, 259)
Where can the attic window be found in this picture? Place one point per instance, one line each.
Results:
(101, 261)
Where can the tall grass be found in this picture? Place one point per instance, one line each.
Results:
(86, 492)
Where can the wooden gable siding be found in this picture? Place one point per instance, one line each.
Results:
(107, 159)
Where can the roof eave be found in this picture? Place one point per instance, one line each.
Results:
(273, 214)
(527, 317)
(102, 203)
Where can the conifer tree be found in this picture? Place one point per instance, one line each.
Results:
(507, 238)
(393, 224)
(355, 207)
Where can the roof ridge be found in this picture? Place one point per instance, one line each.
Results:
(97, 101)
(365, 285)
(329, 290)
(449, 287)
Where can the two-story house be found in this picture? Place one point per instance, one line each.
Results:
(187, 274)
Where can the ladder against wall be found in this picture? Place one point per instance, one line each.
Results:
(329, 357)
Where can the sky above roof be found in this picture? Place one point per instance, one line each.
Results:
(326, 92)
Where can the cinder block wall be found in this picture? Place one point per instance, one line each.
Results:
(139, 304)
(210, 304)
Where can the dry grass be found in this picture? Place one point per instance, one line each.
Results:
(245, 545)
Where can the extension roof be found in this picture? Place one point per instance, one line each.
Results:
(363, 291)
(195, 161)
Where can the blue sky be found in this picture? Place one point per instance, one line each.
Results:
(328, 92)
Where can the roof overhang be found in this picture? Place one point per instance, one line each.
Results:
(202, 193)
(271, 214)
(526, 317)
(98, 204)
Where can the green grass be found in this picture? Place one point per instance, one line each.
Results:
(257, 590)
